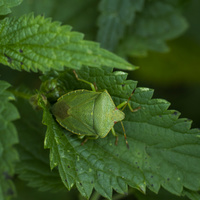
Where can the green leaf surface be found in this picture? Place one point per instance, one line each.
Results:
(81, 15)
(8, 137)
(115, 16)
(36, 43)
(139, 26)
(164, 151)
(5, 6)
(159, 21)
(34, 160)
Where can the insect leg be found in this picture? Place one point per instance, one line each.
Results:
(84, 141)
(88, 137)
(114, 133)
(125, 103)
(125, 135)
(94, 88)
(116, 136)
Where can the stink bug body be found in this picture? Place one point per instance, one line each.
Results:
(89, 113)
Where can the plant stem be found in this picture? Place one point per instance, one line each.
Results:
(20, 94)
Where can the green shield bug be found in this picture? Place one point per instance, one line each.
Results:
(90, 114)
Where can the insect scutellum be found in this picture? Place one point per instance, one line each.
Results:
(121, 107)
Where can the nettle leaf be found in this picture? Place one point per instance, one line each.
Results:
(115, 16)
(36, 43)
(159, 21)
(164, 151)
(78, 166)
(8, 137)
(34, 160)
(81, 15)
(5, 6)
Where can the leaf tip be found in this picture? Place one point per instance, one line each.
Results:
(132, 67)
(142, 187)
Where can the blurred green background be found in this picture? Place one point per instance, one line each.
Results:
(175, 76)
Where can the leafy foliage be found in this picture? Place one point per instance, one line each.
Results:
(164, 151)
(33, 43)
(81, 16)
(34, 160)
(115, 16)
(137, 26)
(8, 137)
(5, 6)
(159, 21)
